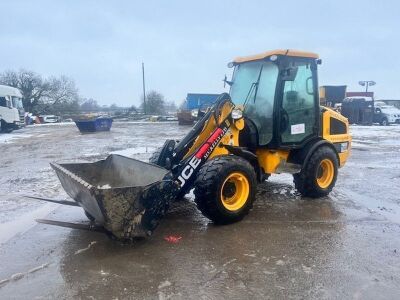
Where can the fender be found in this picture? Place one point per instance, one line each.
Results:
(249, 156)
(315, 146)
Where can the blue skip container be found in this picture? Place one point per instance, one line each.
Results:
(93, 125)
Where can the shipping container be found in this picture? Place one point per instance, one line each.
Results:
(200, 101)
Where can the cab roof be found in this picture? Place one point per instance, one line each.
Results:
(287, 52)
(6, 90)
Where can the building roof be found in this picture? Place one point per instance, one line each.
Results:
(287, 52)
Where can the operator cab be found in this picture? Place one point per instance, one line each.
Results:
(278, 91)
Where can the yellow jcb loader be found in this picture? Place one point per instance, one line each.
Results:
(270, 122)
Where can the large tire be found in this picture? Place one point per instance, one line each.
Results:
(384, 122)
(5, 127)
(160, 156)
(225, 189)
(318, 177)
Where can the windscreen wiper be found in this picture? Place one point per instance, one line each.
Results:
(257, 84)
(248, 94)
(253, 85)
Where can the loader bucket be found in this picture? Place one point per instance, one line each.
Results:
(126, 196)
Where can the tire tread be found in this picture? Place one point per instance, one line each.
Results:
(207, 182)
(305, 180)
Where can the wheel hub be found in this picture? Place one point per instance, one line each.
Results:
(325, 173)
(235, 191)
(229, 189)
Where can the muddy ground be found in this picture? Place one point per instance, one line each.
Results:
(345, 246)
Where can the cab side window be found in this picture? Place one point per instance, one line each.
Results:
(298, 105)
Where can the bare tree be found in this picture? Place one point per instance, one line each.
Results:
(170, 106)
(89, 105)
(155, 103)
(43, 95)
(62, 89)
(31, 85)
(61, 92)
(133, 109)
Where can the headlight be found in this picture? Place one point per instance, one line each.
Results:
(237, 114)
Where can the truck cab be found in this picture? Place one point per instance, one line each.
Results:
(11, 108)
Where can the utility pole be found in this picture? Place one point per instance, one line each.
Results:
(144, 91)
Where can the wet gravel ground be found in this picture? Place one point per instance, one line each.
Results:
(345, 246)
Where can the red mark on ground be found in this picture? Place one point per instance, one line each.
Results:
(173, 239)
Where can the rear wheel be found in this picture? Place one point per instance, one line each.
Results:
(225, 189)
(318, 177)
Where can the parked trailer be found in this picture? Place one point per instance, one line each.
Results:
(358, 110)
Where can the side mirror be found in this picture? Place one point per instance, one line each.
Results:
(309, 86)
(289, 74)
(227, 81)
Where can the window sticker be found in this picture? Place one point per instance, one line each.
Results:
(298, 128)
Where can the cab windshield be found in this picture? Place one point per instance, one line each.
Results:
(253, 85)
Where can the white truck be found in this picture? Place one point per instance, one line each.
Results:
(11, 108)
(386, 114)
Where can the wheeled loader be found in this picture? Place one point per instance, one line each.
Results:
(270, 122)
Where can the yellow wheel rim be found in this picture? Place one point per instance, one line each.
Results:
(325, 173)
(235, 191)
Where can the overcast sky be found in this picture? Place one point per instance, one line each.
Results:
(186, 45)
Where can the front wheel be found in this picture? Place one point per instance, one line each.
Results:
(384, 122)
(155, 156)
(318, 176)
(6, 128)
(225, 189)
(162, 155)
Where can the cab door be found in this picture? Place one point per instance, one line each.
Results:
(6, 110)
(299, 107)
